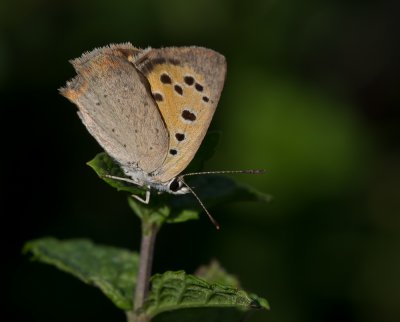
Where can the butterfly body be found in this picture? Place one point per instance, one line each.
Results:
(149, 109)
(143, 179)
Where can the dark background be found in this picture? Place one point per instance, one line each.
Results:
(312, 95)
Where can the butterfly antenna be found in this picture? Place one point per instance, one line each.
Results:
(250, 171)
(216, 224)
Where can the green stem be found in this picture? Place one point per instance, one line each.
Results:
(149, 233)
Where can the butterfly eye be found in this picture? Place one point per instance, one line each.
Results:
(175, 185)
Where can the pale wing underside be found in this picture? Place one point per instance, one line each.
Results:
(186, 84)
(117, 108)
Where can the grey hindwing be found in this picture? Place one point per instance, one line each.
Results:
(118, 110)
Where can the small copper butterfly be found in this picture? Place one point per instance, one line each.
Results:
(149, 108)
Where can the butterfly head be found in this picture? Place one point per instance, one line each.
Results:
(177, 187)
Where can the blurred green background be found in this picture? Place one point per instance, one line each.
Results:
(312, 95)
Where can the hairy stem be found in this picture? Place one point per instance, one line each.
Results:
(149, 233)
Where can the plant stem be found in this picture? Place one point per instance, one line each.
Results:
(149, 233)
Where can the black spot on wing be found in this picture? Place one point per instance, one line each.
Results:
(178, 89)
(158, 97)
(189, 80)
(199, 87)
(165, 79)
(188, 116)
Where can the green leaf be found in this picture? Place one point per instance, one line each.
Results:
(155, 213)
(111, 269)
(178, 290)
(158, 211)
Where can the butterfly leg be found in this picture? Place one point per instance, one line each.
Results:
(120, 178)
(146, 200)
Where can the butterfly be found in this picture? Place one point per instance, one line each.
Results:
(149, 109)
